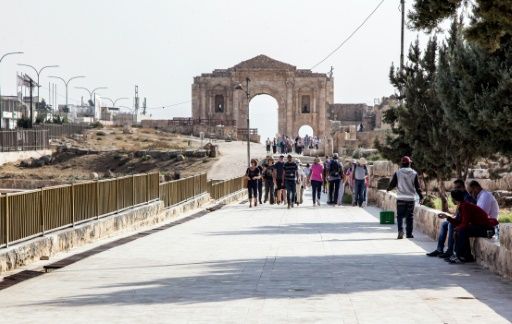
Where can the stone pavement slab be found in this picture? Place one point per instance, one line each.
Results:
(265, 265)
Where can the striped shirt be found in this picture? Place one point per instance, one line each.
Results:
(290, 171)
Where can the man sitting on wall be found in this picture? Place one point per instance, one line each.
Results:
(473, 222)
(447, 229)
(484, 199)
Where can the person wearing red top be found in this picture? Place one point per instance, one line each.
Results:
(473, 221)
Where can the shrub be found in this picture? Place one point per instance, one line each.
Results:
(505, 216)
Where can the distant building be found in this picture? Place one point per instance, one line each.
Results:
(12, 110)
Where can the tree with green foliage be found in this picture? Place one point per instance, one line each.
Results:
(475, 89)
(490, 25)
(418, 123)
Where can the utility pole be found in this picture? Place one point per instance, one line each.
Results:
(402, 6)
(1, 59)
(136, 100)
(66, 83)
(38, 73)
(144, 106)
(31, 85)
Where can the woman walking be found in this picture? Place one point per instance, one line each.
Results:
(268, 177)
(253, 175)
(316, 178)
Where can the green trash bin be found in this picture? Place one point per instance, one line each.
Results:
(387, 217)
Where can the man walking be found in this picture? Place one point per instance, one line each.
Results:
(335, 175)
(405, 180)
(360, 174)
(290, 179)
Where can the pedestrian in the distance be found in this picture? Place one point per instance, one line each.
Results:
(335, 177)
(405, 180)
(253, 175)
(360, 175)
(268, 177)
(260, 183)
(290, 177)
(301, 180)
(316, 179)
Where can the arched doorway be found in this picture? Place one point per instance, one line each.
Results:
(263, 112)
(306, 130)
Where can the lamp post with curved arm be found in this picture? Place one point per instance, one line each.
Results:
(67, 83)
(248, 94)
(91, 92)
(115, 100)
(1, 59)
(38, 73)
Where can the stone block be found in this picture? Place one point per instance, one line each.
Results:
(481, 173)
(506, 236)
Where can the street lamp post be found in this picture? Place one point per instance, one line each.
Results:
(1, 111)
(248, 94)
(115, 100)
(92, 92)
(38, 73)
(66, 83)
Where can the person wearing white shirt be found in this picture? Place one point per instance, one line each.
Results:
(484, 199)
(301, 179)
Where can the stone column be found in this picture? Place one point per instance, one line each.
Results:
(290, 119)
(323, 106)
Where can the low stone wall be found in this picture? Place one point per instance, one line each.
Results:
(143, 216)
(8, 157)
(493, 255)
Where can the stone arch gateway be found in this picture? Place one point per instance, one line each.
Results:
(303, 96)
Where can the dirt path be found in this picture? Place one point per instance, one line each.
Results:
(233, 159)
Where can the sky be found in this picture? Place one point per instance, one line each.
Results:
(160, 45)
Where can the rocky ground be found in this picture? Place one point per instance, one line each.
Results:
(110, 152)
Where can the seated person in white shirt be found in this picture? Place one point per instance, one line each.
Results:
(484, 199)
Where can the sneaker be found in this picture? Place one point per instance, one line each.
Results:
(318, 203)
(400, 235)
(410, 236)
(456, 260)
(445, 255)
(434, 253)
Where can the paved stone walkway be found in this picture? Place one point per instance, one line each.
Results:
(233, 159)
(265, 265)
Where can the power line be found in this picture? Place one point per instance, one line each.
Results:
(350, 36)
(169, 106)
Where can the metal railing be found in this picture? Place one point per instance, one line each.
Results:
(24, 140)
(25, 215)
(177, 191)
(55, 131)
(28, 214)
(219, 189)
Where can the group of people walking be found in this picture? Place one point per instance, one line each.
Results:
(284, 144)
(285, 181)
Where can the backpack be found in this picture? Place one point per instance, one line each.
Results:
(334, 169)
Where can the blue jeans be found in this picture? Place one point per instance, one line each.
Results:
(446, 230)
(359, 190)
(317, 188)
(291, 191)
(405, 209)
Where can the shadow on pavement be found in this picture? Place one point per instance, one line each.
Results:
(313, 276)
